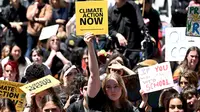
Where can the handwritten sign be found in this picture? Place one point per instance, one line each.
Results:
(193, 21)
(155, 77)
(93, 18)
(40, 84)
(12, 91)
(48, 31)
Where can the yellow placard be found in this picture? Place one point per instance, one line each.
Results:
(40, 84)
(12, 91)
(91, 16)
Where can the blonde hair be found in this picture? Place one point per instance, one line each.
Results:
(125, 104)
(3, 53)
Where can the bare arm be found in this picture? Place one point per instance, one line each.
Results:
(50, 59)
(94, 79)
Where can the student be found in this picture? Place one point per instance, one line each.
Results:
(113, 95)
(6, 105)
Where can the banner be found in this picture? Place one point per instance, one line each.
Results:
(91, 16)
(12, 91)
(40, 84)
(193, 21)
(156, 77)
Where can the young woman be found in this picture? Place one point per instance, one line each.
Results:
(51, 103)
(176, 103)
(5, 51)
(113, 95)
(54, 56)
(6, 105)
(16, 55)
(11, 71)
(191, 62)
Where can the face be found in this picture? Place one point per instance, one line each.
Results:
(7, 51)
(9, 73)
(193, 59)
(14, 1)
(191, 100)
(183, 82)
(113, 89)
(175, 105)
(85, 58)
(70, 76)
(36, 57)
(16, 52)
(54, 43)
(84, 91)
(50, 107)
(39, 96)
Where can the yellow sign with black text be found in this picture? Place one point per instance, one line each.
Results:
(91, 16)
(12, 91)
(40, 84)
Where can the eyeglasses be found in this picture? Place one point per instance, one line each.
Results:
(174, 106)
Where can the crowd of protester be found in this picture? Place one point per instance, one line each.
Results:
(96, 72)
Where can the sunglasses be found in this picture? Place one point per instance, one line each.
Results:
(174, 106)
(116, 71)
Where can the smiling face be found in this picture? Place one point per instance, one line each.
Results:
(16, 52)
(54, 43)
(113, 89)
(193, 59)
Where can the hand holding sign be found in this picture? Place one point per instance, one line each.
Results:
(155, 77)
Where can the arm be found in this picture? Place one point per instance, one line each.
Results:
(50, 58)
(31, 11)
(94, 84)
(62, 58)
(48, 15)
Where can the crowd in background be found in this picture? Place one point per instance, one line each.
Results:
(97, 72)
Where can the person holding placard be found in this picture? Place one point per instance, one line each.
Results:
(113, 95)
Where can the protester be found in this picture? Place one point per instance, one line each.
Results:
(15, 55)
(51, 103)
(176, 103)
(190, 94)
(5, 51)
(11, 71)
(191, 62)
(37, 57)
(15, 14)
(55, 57)
(112, 84)
(7, 105)
(38, 15)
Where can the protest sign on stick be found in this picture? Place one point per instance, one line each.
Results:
(12, 91)
(40, 84)
(156, 77)
(92, 19)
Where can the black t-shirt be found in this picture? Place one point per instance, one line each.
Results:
(98, 103)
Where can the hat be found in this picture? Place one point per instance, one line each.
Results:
(118, 66)
(67, 68)
(148, 62)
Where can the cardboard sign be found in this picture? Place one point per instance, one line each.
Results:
(91, 16)
(40, 84)
(48, 31)
(193, 21)
(156, 77)
(177, 43)
(12, 91)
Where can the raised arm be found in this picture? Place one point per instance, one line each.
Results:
(94, 79)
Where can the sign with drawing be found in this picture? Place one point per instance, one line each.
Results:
(193, 21)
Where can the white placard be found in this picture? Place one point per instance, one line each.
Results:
(156, 77)
(48, 31)
(177, 43)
